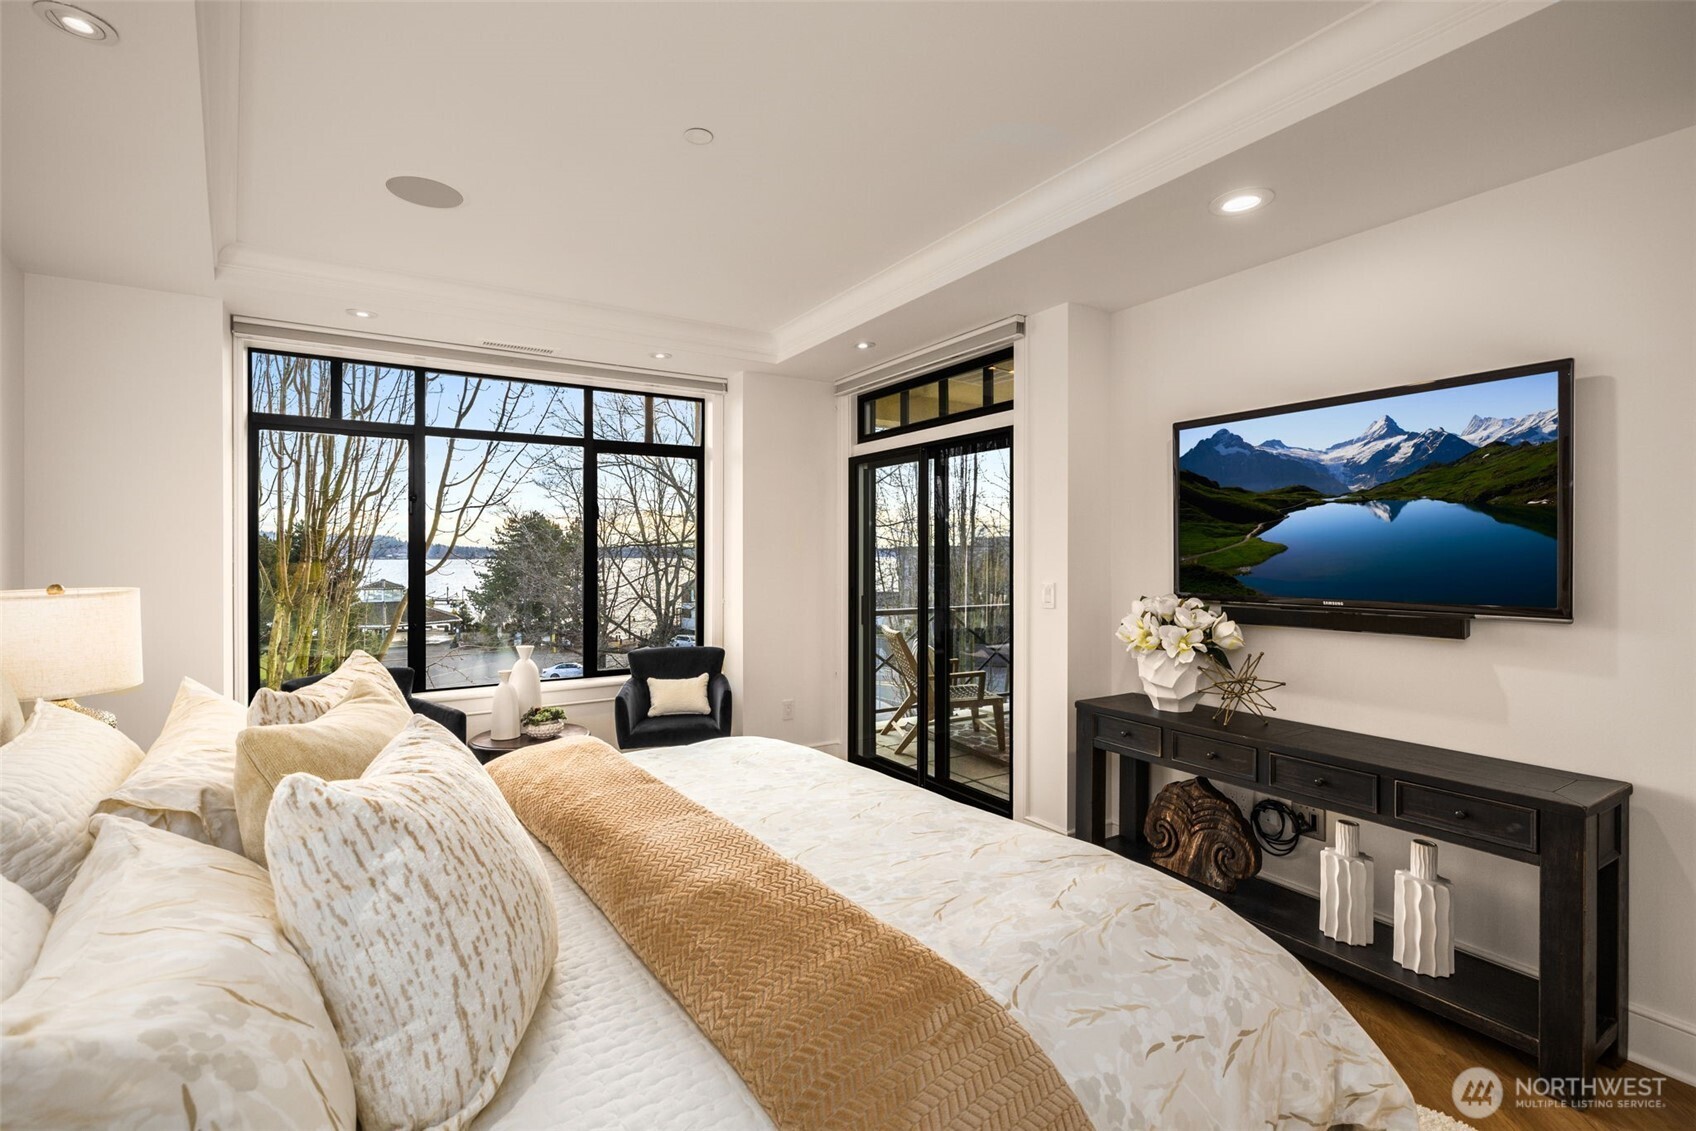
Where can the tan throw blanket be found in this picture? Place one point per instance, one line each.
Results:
(832, 1018)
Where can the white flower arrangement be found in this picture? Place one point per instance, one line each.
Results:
(1184, 629)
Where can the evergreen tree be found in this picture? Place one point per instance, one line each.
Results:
(532, 580)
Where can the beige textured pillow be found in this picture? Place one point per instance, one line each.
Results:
(187, 782)
(679, 696)
(167, 996)
(23, 926)
(11, 712)
(270, 707)
(421, 906)
(51, 778)
(338, 744)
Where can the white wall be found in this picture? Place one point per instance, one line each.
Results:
(783, 606)
(11, 425)
(126, 419)
(1594, 261)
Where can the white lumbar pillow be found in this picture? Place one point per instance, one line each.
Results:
(679, 696)
(186, 784)
(270, 706)
(51, 778)
(23, 926)
(166, 996)
(420, 904)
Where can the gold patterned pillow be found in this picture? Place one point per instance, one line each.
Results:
(166, 996)
(337, 744)
(51, 778)
(187, 782)
(271, 707)
(420, 904)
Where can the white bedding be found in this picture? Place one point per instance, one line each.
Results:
(1159, 1006)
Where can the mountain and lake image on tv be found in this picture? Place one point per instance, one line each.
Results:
(1445, 496)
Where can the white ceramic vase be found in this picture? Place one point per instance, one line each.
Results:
(527, 680)
(1169, 685)
(1425, 941)
(505, 713)
(1345, 888)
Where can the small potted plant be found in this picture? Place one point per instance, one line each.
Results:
(1169, 635)
(543, 722)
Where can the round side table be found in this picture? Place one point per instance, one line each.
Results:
(488, 749)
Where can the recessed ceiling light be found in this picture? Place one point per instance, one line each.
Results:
(864, 345)
(1238, 201)
(658, 355)
(423, 191)
(74, 21)
(358, 313)
(698, 135)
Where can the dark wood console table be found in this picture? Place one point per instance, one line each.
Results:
(1573, 827)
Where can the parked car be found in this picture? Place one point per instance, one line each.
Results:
(683, 641)
(563, 671)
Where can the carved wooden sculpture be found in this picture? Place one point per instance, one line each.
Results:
(1200, 834)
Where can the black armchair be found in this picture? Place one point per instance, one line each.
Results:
(449, 717)
(630, 710)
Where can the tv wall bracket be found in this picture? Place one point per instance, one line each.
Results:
(1446, 626)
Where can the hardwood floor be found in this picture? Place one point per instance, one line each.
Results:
(1430, 1053)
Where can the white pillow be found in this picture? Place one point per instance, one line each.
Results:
(166, 996)
(679, 696)
(23, 924)
(270, 706)
(51, 778)
(186, 784)
(420, 904)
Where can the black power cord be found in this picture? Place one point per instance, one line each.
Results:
(1279, 839)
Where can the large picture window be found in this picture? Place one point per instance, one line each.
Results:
(438, 520)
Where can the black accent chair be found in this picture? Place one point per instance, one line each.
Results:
(630, 710)
(449, 717)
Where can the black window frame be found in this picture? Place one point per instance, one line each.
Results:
(865, 405)
(417, 434)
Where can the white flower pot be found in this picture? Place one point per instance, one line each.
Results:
(1169, 685)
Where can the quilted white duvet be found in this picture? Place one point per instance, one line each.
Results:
(1160, 1007)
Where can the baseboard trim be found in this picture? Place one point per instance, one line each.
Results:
(1042, 824)
(1662, 1043)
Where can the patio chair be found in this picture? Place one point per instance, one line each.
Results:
(966, 690)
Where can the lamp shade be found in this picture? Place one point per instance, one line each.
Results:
(59, 645)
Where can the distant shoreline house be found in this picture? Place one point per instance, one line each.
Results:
(380, 606)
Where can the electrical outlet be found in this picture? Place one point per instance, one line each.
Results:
(788, 709)
(1312, 820)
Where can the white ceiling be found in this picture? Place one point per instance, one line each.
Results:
(899, 171)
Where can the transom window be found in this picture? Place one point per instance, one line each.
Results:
(971, 388)
(438, 520)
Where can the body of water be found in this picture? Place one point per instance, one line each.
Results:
(1421, 552)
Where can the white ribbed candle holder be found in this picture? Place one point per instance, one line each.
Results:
(1424, 941)
(1345, 888)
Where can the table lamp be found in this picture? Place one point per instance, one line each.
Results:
(58, 643)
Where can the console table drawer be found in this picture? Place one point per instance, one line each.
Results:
(1206, 756)
(1322, 782)
(1124, 733)
(1494, 821)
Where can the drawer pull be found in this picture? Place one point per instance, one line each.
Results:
(1460, 814)
(1124, 734)
(1318, 783)
(1209, 755)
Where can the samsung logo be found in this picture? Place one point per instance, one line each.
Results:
(1339, 604)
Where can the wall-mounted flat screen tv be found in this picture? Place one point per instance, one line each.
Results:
(1448, 497)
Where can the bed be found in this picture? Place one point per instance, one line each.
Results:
(1160, 1007)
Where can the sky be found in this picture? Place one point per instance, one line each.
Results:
(1319, 428)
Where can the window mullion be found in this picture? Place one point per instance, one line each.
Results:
(417, 553)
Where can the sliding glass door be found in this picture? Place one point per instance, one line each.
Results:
(932, 625)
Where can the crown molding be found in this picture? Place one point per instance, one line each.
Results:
(553, 319)
(1364, 49)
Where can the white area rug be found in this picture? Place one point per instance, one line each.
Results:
(1430, 1120)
